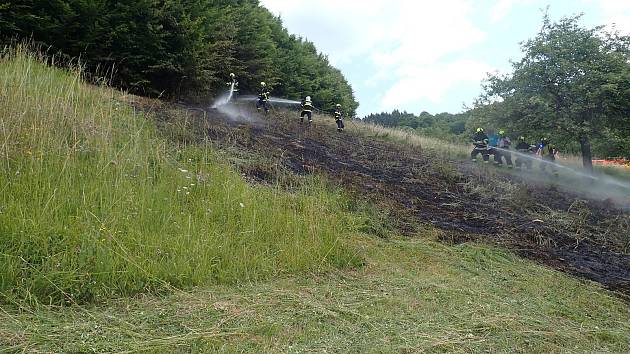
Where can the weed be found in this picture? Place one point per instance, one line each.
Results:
(95, 203)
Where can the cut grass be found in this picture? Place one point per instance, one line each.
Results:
(94, 203)
(414, 295)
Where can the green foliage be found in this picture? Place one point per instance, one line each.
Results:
(93, 203)
(179, 48)
(572, 82)
(445, 126)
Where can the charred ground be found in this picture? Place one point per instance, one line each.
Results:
(415, 187)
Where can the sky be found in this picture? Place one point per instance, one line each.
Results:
(420, 55)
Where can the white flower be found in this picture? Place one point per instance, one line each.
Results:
(242, 205)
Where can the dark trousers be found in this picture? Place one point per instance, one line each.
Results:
(500, 154)
(340, 125)
(262, 103)
(480, 150)
(308, 114)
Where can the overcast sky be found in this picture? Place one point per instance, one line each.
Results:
(418, 55)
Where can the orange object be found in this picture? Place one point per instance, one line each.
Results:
(618, 161)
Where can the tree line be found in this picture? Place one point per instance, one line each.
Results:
(445, 126)
(179, 49)
(572, 86)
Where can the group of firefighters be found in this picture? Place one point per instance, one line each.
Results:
(262, 104)
(500, 148)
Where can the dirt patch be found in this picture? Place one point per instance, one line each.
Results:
(418, 188)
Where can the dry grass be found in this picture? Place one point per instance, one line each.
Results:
(413, 296)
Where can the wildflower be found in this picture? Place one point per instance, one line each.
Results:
(242, 205)
(183, 171)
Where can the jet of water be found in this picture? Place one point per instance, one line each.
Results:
(597, 185)
(226, 98)
(271, 99)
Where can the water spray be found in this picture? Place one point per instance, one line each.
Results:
(600, 185)
(271, 99)
(226, 98)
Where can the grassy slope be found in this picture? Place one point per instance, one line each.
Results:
(93, 203)
(413, 294)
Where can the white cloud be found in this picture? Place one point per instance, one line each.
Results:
(616, 12)
(407, 41)
(433, 82)
(502, 8)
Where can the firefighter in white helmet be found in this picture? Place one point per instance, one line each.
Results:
(339, 117)
(307, 110)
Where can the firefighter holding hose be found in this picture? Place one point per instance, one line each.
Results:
(339, 117)
(547, 152)
(503, 144)
(307, 110)
(232, 82)
(524, 148)
(480, 142)
(263, 98)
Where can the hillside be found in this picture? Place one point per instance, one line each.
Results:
(129, 224)
(433, 187)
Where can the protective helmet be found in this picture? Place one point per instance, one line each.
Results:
(501, 132)
(522, 138)
(263, 84)
(338, 105)
(308, 98)
(232, 75)
(479, 130)
(544, 139)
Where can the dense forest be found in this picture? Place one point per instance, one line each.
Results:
(178, 49)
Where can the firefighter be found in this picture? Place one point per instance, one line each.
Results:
(547, 152)
(307, 110)
(232, 82)
(339, 117)
(263, 98)
(524, 148)
(503, 150)
(480, 141)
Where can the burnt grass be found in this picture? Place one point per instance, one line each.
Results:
(415, 188)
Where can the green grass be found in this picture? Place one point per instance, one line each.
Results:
(434, 146)
(151, 246)
(414, 295)
(94, 203)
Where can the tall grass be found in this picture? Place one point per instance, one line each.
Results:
(438, 147)
(94, 204)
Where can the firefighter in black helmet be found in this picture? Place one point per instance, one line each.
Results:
(524, 148)
(480, 142)
(263, 98)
